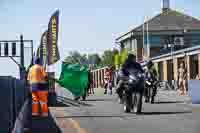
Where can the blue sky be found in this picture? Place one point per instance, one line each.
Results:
(85, 25)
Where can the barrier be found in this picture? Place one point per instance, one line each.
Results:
(12, 98)
(98, 77)
(6, 102)
(194, 91)
(23, 118)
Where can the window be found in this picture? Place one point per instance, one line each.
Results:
(153, 40)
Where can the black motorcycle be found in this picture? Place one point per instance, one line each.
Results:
(150, 88)
(133, 92)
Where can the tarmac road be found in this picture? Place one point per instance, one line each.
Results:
(103, 114)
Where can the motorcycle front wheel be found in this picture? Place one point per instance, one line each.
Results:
(127, 102)
(137, 103)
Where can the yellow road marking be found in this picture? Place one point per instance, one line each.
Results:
(76, 125)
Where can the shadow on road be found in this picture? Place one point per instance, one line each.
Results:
(168, 102)
(165, 113)
(95, 100)
(95, 116)
(123, 115)
(60, 104)
(71, 102)
(85, 104)
(44, 125)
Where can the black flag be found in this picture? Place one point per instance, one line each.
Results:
(42, 49)
(52, 41)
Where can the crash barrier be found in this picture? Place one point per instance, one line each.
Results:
(12, 97)
(98, 77)
(24, 118)
(194, 91)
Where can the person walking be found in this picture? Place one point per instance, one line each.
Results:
(90, 82)
(182, 79)
(37, 78)
(107, 80)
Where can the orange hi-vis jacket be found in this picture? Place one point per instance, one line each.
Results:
(36, 78)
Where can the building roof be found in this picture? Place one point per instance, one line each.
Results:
(169, 20)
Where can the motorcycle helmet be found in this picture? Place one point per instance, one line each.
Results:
(150, 64)
(131, 56)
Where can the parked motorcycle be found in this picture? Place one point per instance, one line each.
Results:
(133, 92)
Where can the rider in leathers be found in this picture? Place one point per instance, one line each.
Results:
(130, 63)
(151, 69)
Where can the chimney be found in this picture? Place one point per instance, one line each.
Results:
(165, 5)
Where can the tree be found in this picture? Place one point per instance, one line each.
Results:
(107, 58)
(94, 59)
(75, 57)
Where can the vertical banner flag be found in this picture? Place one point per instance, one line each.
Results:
(42, 49)
(38, 52)
(52, 40)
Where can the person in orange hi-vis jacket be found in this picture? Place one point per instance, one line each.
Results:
(37, 78)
